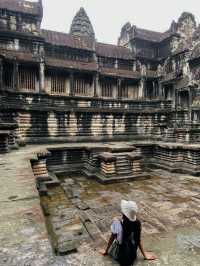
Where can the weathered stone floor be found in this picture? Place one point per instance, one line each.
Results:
(169, 204)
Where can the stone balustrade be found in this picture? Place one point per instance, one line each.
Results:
(49, 102)
(177, 157)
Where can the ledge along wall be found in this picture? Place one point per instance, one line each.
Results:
(45, 118)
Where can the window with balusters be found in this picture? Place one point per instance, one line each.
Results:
(106, 89)
(27, 78)
(58, 84)
(123, 91)
(82, 86)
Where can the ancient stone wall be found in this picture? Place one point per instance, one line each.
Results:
(45, 126)
(43, 118)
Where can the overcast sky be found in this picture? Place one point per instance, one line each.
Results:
(108, 16)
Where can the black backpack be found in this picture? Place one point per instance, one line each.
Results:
(128, 250)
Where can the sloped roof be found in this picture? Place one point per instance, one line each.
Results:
(33, 8)
(64, 39)
(149, 35)
(85, 43)
(114, 51)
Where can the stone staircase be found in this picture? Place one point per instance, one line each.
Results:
(123, 166)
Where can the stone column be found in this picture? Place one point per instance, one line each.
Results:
(107, 164)
(16, 75)
(1, 74)
(135, 162)
(190, 91)
(71, 86)
(116, 63)
(173, 95)
(41, 78)
(142, 86)
(177, 102)
(119, 84)
(96, 84)
(160, 90)
(154, 90)
(97, 91)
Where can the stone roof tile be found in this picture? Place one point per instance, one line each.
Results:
(152, 36)
(64, 39)
(114, 51)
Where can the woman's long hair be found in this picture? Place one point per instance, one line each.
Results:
(127, 225)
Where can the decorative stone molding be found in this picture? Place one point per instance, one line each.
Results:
(39, 166)
(135, 161)
(81, 25)
(107, 163)
(4, 134)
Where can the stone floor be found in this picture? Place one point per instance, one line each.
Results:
(169, 210)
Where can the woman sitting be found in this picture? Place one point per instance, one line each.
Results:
(127, 235)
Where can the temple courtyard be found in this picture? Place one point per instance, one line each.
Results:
(71, 223)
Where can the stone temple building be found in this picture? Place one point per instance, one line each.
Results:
(69, 87)
(77, 114)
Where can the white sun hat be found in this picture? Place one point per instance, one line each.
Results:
(129, 209)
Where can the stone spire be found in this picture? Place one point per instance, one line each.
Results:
(81, 25)
(173, 26)
(40, 8)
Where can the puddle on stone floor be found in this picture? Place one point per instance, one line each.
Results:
(170, 218)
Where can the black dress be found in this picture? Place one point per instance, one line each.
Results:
(130, 242)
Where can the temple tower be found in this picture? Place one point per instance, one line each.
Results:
(81, 25)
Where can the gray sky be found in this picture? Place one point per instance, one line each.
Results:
(108, 16)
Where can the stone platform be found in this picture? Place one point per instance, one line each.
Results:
(169, 209)
(105, 162)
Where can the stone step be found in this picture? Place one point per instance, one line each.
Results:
(52, 183)
(123, 160)
(123, 167)
(121, 157)
(123, 163)
(124, 172)
(42, 188)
